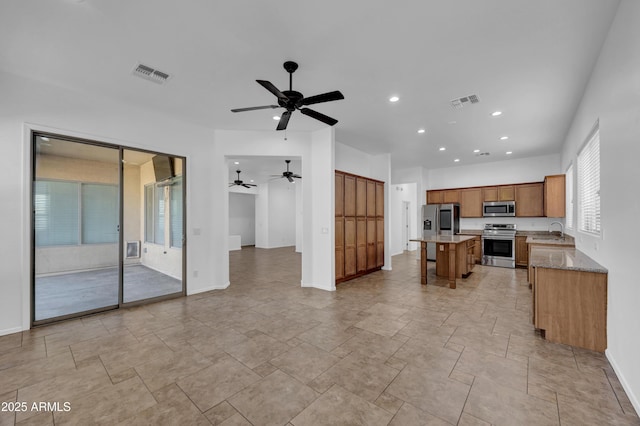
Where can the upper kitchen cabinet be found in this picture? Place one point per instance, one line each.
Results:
(371, 198)
(450, 196)
(498, 193)
(530, 199)
(471, 202)
(339, 182)
(361, 196)
(434, 197)
(380, 199)
(554, 196)
(349, 193)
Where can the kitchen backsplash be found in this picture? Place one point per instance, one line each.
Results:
(522, 223)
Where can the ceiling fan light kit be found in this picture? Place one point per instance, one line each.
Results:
(238, 182)
(292, 100)
(289, 175)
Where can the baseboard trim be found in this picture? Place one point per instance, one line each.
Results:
(332, 288)
(10, 331)
(632, 397)
(210, 288)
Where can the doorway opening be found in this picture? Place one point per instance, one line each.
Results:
(107, 227)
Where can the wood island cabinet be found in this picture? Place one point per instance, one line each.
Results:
(554, 196)
(530, 200)
(471, 202)
(359, 234)
(522, 252)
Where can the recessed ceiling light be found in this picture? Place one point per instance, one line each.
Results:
(457, 160)
(236, 162)
(442, 148)
(421, 130)
(44, 138)
(276, 117)
(476, 150)
(394, 99)
(251, 180)
(496, 113)
(504, 138)
(509, 152)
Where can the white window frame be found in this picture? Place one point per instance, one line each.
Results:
(588, 185)
(570, 197)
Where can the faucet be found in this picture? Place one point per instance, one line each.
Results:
(561, 228)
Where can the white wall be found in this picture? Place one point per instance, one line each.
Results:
(613, 96)
(27, 105)
(242, 217)
(276, 214)
(316, 151)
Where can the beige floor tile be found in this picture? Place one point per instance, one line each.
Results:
(274, 400)
(102, 344)
(284, 329)
(123, 358)
(220, 413)
(469, 420)
(381, 325)
(481, 341)
(60, 342)
(428, 356)
(408, 415)
(576, 411)
(501, 370)
(534, 346)
(212, 385)
(430, 391)
(501, 405)
(360, 375)
(117, 403)
(305, 362)
(35, 371)
(338, 406)
(8, 416)
(371, 345)
(327, 336)
(40, 419)
(236, 420)
(30, 351)
(257, 350)
(164, 370)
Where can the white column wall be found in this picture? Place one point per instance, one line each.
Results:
(612, 96)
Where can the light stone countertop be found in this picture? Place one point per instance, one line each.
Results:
(456, 239)
(567, 258)
(551, 239)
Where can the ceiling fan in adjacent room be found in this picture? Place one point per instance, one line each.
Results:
(238, 182)
(288, 174)
(292, 100)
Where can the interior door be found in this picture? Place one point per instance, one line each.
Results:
(75, 228)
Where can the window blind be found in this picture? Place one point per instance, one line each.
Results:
(176, 213)
(99, 213)
(589, 185)
(148, 213)
(56, 206)
(158, 223)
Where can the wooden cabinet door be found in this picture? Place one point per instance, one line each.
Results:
(522, 255)
(361, 197)
(379, 242)
(451, 196)
(371, 198)
(434, 197)
(371, 243)
(554, 196)
(477, 249)
(471, 202)
(490, 193)
(339, 182)
(506, 193)
(350, 246)
(379, 199)
(361, 244)
(349, 195)
(339, 248)
(529, 200)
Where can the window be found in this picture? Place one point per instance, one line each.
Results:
(163, 204)
(569, 195)
(589, 184)
(72, 213)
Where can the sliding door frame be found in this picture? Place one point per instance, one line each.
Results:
(120, 304)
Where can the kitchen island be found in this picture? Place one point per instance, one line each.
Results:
(454, 256)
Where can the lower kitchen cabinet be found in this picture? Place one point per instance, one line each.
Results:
(522, 254)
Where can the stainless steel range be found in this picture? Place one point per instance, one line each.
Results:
(499, 245)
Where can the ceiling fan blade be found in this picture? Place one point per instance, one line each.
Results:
(273, 89)
(319, 116)
(246, 186)
(255, 108)
(290, 178)
(297, 176)
(231, 184)
(284, 120)
(325, 97)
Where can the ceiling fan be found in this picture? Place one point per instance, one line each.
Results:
(238, 182)
(287, 174)
(292, 100)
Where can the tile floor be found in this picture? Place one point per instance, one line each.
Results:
(381, 350)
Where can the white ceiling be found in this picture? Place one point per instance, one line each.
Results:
(529, 59)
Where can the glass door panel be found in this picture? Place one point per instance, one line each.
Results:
(75, 226)
(153, 225)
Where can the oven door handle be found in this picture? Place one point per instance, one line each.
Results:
(495, 237)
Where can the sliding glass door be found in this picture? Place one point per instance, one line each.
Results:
(75, 228)
(107, 227)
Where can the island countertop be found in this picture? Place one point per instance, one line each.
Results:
(445, 239)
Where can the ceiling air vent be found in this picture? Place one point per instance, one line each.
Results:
(460, 102)
(483, 154)
(151, 74)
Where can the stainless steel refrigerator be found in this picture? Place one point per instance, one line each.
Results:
(439, 219)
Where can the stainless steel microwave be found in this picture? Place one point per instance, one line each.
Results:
(498, 208)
